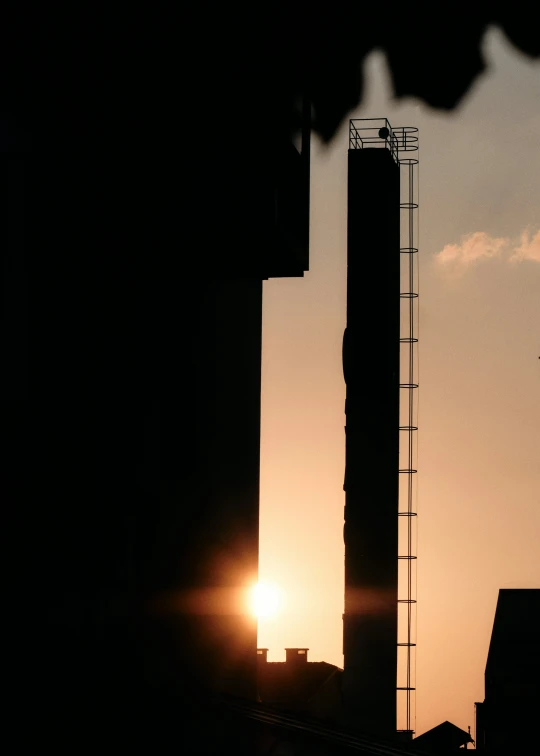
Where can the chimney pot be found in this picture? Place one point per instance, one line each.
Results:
(296, 655)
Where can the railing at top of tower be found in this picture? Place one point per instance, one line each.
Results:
(376, 133)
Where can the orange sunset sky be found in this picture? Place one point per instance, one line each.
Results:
(479, 398)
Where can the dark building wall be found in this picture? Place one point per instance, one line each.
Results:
(133, 468)
(132, 462)
(371, 371)
(221, 533)
(506, 720)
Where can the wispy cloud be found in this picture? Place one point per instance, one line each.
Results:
(478, 246)
(473, 247)
(529, 249)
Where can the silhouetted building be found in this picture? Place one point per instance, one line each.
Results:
(298, 685)
(303, 703)
(277, 732)
(134, 447)
(443, 739)
(507, 719)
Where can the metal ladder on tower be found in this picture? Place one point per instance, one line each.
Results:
(407, 141)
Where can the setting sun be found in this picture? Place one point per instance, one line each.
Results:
(265, 599)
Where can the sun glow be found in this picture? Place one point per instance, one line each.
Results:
(266, 599)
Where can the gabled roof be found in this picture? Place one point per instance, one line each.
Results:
(443, 738)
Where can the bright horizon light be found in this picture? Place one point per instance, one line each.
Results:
(266, 599)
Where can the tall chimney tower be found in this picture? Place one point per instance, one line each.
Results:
(371, 368)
